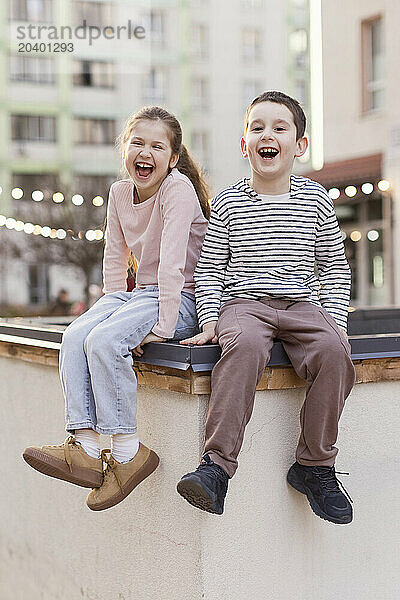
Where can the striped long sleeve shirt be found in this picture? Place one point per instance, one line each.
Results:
(288, 249)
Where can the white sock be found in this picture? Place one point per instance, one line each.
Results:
(124, 446)
(89, 440)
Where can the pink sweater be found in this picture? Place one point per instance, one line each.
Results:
(165, 234)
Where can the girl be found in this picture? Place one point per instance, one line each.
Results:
(160, 214)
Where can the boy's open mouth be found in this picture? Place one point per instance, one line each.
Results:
(268, 153)
(143, 170)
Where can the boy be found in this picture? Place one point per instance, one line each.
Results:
(255, 281)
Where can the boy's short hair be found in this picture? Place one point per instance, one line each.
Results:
(280, 98)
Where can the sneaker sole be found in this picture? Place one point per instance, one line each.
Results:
(299, 486)
(145, 470)
(58, 469)
(197, 495)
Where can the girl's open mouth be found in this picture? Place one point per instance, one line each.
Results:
(268, 153)
(143, 170)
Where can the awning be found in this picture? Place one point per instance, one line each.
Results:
(347, 172)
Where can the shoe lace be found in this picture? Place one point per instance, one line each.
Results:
(329, 481)
(70, 441)
(111, 468)
(212, 469)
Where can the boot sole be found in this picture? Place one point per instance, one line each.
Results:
(145, 470)
(197, 495)
(299, 487)
(58, 469)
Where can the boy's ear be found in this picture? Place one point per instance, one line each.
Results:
(302, 145)
(243, 147)
(173, 161)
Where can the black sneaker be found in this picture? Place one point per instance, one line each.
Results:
(205, 488)
(321, 487)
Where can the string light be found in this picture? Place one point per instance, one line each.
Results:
(383, 185)
(90, 235)
(367, 188)
(350, 191)
(37, 195)
(58, 197)
(77, 199)
(10, 223)
(17, 193)
(373, 235)
(48, 232)
(355, 236)
(98, 201)
(334, 193)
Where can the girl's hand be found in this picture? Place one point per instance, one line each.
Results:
(207, 335)
(150, 337)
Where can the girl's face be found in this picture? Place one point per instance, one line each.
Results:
(148, 156)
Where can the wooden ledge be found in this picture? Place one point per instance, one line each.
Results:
(189, 382)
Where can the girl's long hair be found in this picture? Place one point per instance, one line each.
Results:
(185, 164)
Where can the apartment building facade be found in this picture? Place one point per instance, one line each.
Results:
(362, 140)
(60, 111)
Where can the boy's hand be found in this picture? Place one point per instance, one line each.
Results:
(150, 337)
(207, 335)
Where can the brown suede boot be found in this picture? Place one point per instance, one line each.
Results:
(121, 478)
(68, 462)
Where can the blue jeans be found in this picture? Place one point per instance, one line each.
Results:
(97, 377)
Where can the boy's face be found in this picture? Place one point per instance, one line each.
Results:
(270, 143)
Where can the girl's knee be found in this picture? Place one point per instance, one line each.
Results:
(99, 341)
(73, 336)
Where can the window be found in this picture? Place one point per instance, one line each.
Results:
(251, 89)
(298, 46)
(373, 67)
(199, 143)
(94, 13)
(94, 131)
(93, 73)
(200, 93)
(200, 146)
(156, 26)
(155, 87)
(33, 128)
(301, 91)
(251, 44)
(253, 3)
(32, 68)
(38, 284)
(34, 11)
(199, 41)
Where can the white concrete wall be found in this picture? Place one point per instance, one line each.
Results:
(268, 545)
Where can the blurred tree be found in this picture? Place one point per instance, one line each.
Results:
(75, 250)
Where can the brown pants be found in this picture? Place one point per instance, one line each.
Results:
(319, 354)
